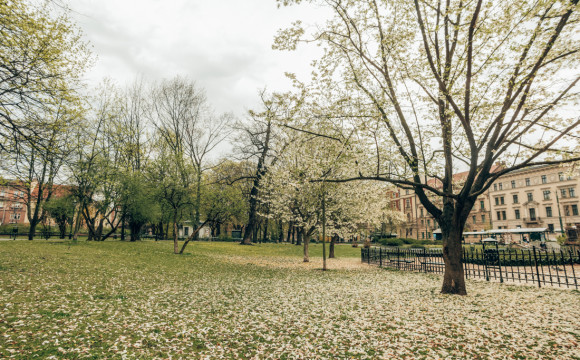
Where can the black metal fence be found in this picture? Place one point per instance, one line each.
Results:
(535, 266)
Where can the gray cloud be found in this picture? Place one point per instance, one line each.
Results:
(224, 45)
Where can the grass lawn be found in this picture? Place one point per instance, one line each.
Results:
(136, 300)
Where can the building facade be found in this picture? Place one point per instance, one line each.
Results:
(537, 197)
(12, 206)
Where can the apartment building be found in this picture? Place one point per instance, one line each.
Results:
(538, 197)
(14, 202)
(12, 206)
(420, 224)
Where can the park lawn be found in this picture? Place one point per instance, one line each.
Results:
(114, 300)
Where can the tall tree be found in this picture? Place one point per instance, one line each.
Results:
(43, 57)
(260, 142)
(453, 85)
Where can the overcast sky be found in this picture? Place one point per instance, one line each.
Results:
(224, 45)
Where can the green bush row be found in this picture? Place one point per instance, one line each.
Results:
(417, 244)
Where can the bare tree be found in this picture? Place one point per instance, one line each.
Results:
(453, 85)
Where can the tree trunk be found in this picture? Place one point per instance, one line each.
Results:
(252, 216)
(306, 243)
(175, 242)
(280, 231)
(454, 277)
(32, 230)
(265, 236)
(99, 232)
(298, 232)
(331, 246)
(197, 201)
(135, 230)
(193, 235)
(123, 228)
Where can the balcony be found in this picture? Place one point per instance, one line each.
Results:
(533, 220)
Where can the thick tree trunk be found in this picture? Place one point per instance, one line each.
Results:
(454, 277)
(32, 230)
(289, 233)
(265, 236)
(135, 230)
(331, 247)
(123, 228)
(99, 232)
(306, 243)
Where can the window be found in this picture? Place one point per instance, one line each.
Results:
(422, 235)
(2, 193)
(421, 211)
(546, 194)
(532, 214)
(551, 228)
(16, 194)
(501, 200)
(548, 211)
(561, 176)
(530, 197)
(544, 179)
(497, 200)
(575, 210)
(494, 187)
(482, 204)
(1, 204)
(473, 218)
(14, 216)
(517, 213)
(563, 193)
(527, 181)
(503, 215)
(483, 218)
(498, 215)
(407, 203)
(515, 199)
(428, 222)
(513, 184)
(566, 210)
(421, 222)
(501, 186)
(572, 192)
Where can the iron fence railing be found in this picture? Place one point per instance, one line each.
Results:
(535, 266)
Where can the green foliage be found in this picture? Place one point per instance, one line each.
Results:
(139, 206)
(61, 209)
(391, 242)
(43, 57)
(561, 239)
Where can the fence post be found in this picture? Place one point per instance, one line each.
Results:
(398, 259)
(537, 270)
(380, 257)
(369, 255)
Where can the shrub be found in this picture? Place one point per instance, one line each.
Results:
(392, 242)
(417, 246)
